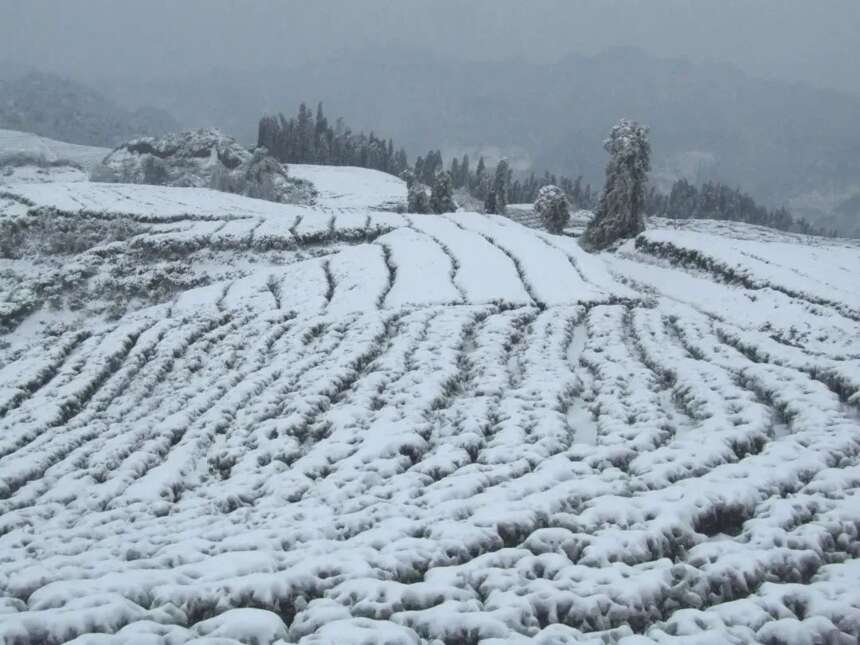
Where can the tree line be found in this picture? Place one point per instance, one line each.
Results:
(311, 138)
(714, 200)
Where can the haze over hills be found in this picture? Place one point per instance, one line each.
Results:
(774, 139)
(64, 109)
(786, 144)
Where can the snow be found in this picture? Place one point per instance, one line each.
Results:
(13, 143)
(348, 187)
(334, 424)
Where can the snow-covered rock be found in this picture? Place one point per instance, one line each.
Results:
(203, 158)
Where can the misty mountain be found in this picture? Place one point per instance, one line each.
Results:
(708, 121)
(69, 111)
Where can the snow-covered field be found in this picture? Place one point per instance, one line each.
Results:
(26, 157)
(236, 421)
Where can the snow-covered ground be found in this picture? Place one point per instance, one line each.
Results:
(351, 187)
(26, 157)
(225, 420)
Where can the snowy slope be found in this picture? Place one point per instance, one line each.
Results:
(13, 142)
(351, 187)
(338, 188)
(224, 420)
(26, 157)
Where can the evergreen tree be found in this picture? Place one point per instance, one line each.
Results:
(714, 200)
(310, 139)
(441, 199)
(620, 213)
(500, 188)
(401, 163)
(479, 189)
(417, 201)
(408, 176)
(455, 172)
(465, 173)
(553, 208)
(305, 133)
(490, 204)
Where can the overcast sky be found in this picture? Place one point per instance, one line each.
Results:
(817, 41)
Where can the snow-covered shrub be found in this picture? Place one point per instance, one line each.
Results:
(417, 200)
(553, 208)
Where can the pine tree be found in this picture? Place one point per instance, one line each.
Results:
(441, 199)
(553, 208)
(465, 173)
(500, 189)
(490, 201)
(417, 201)
(620, 212)
(408, 176)
(305, 125)
(309, 139)
(455, 172)
(479, 187)
(321, 142)
(401, 162)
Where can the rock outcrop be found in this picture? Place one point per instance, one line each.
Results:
(203, 158)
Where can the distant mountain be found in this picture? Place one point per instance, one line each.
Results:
(65, 110)
(709, 121)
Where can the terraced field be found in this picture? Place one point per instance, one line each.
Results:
(366, 427)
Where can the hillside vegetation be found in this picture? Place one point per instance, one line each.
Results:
(226, 420)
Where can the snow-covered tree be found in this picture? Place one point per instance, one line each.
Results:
(417, 200)
(441, 199)
(480, 181)
(490, 202)
(620, 213)
(553, 208)
(499, 190)
(408, 176)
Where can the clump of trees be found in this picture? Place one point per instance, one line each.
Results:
(496, 200)
(553, 208)
(417, 200)
(621, 211)
(525, 191)
(714, 200)
(442, 195)
(309, 138)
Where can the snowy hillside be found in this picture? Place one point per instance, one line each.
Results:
(231, 420)
(351, 187)
(26, 157)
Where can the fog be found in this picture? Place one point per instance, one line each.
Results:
(793, 40)
(759, 94)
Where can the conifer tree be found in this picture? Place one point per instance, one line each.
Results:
(620, 213)
(465, 173)
(441, 199)
(455, 172)
(500, 189)
(479, 187)
(417, 201)
(490, 201)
